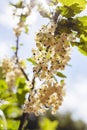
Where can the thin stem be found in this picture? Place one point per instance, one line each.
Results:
(24, 115)
(25, 75)
(17, 48)
(33, 83)
(17, 59)
(23, 119)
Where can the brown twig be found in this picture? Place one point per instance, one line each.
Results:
(33, 83)
(24, 116)
(25, 75)
(22, 121)
(17, 47)
(17, 59)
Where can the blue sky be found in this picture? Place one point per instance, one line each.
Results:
(76, 82)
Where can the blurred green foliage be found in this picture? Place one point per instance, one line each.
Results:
(46, 124)
(54, 122)
(66, 122)
(11, 102)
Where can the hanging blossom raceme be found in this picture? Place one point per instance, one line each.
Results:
(51, 55)
(49, 95)
(52, 52)
(11, 71)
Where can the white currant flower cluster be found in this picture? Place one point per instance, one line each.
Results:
(51, 55)
(50, 95)
(11, 71)
(52, 52)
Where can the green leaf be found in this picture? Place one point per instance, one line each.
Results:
(21, 95)
(18, 5)
(3, 122)
(83, 38)
(11, 98)
(32, 61)
(12, 124)
(81, 3)
(67, 25)
(21, 44)
(3, 85)
(83, 20)
(26, 29)
(2, 75)
(70, 11)
(13, 111)
(23, 18)
(13, 48)
(22, 85)
(62, 81)
(21, 90)
(83, 51)
(61, 75)
(67, 11)
(20, 81)
(82, 46)
(54, 1)
(46, 124)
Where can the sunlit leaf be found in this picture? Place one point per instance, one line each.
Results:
(54, 2)
(46, 124)
(13, 111)
(23, 18)
(12, 124)
(83, 51)
(83, 44)
(21, 44)
(11, 98)
(83, 38)
(20, 80)
(2, 75)
(81, 3)
(13, 48)
(61, 75)
(18, 5)
(67, 11)
(32, 61)
(70, 11)
(21, 90)
(83, 20)
(21, 96)
(26, 29)
(62, 81)
(3, 85)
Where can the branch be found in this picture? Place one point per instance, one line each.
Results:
(17, 59)
(24, 115)
(33, 83)
(23, 119)
(17, 47)
(25, 75)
